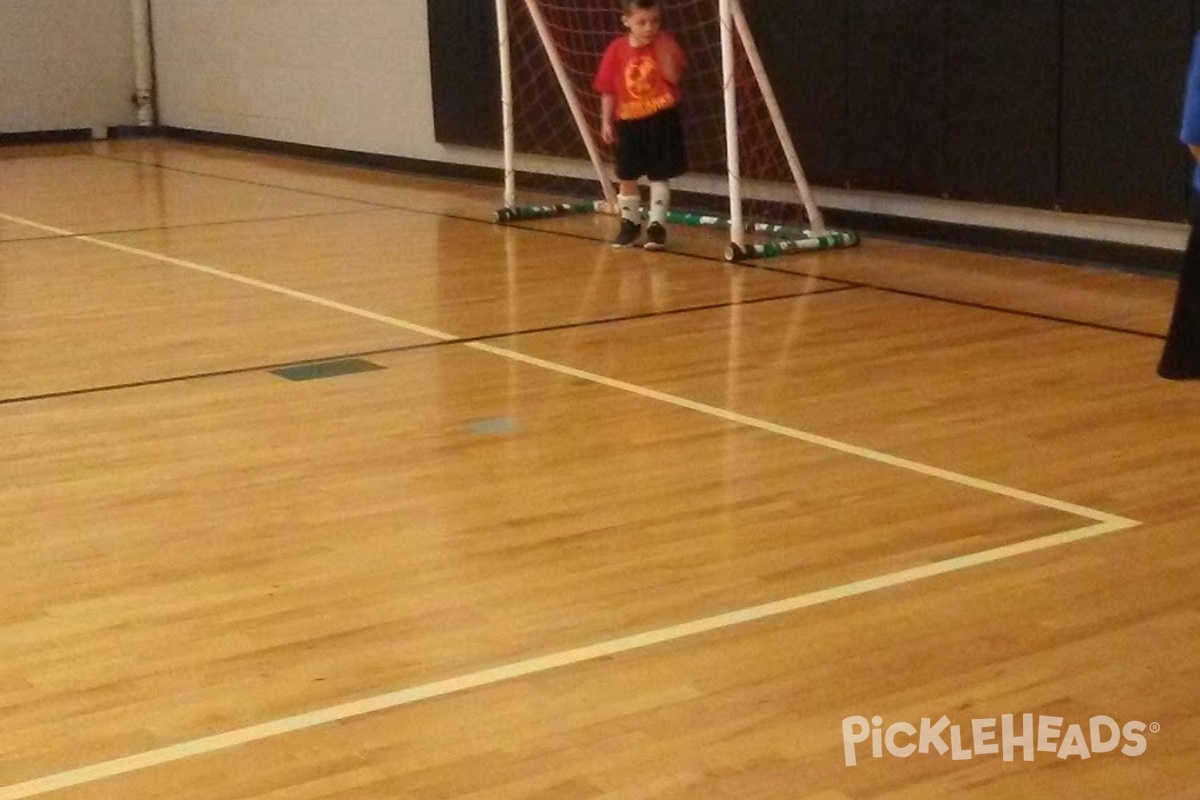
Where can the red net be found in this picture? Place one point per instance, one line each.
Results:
(544, 126)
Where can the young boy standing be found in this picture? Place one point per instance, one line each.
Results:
(638, 81)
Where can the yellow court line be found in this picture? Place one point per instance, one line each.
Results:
(1102, 523)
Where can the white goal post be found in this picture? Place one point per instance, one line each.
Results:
(772, 238)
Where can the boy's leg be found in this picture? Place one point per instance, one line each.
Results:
(629, 199)
(669, 160)
(660, 203)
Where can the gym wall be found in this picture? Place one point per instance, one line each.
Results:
(1047, 104)
(65, 65)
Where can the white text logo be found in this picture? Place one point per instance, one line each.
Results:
(1006, 737)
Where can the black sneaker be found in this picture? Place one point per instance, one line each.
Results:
(628, 234)
(656, 236)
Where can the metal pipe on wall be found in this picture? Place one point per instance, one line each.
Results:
(143, 62)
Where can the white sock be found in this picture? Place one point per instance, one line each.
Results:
(660, 201)
(631, 207)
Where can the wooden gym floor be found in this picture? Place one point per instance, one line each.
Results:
(317, 485)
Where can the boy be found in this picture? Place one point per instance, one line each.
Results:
(638, 81)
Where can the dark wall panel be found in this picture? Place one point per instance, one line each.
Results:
(465, 77)
(803, 44)
(1122, 93)
(895, 90)
(1002, 67)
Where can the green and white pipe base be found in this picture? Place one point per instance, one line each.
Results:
(519, 213)
(781, 239)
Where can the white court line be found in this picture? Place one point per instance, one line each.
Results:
(1104, 523)
(804, 436)
(231, 276)
(474, 680)
(563, 369)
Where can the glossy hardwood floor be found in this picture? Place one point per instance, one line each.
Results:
(588, 523)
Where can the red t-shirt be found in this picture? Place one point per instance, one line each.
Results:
(633, 77)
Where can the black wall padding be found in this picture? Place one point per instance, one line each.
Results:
(1039, 103)
(803, 44)
(1001, 124)
(896, 90)
(1123, 74)
(464, 59)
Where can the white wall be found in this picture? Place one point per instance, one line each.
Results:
(65, 64)
(344, 74)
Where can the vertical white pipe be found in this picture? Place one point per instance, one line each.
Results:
(732, 157)
(506, 103)
(815, 218)
(564, 81)
(143, 62)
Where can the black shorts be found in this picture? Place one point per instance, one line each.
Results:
(653, 147)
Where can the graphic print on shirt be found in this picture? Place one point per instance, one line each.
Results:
(646, 89)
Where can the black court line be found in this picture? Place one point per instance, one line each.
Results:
(196, 376)
(263, 185)
(889, 290)
(709, 259)
(566, 326)
(116, 387)
(59, 237)
(1097, 326)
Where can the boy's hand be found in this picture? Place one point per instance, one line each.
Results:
(667, 59)
(606, 132)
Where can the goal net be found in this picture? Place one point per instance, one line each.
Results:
(745, 177)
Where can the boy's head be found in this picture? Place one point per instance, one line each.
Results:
(643, 18)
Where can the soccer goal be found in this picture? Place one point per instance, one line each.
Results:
(746, 179)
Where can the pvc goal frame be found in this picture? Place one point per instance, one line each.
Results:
(775, 239)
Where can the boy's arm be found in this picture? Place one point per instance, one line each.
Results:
(606, 118)
(603, 84)
(670, 58)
